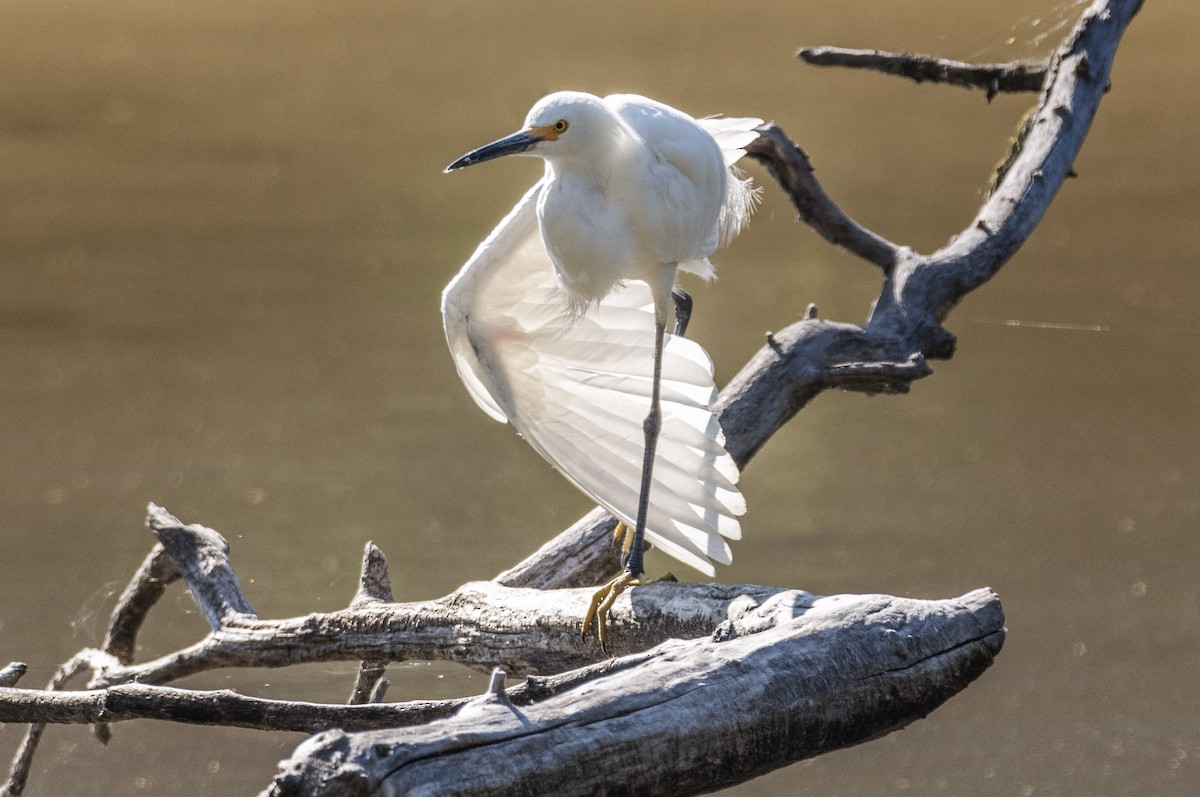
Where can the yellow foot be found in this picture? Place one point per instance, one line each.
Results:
(602, 603)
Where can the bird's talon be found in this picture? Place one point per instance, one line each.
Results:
(602, 603)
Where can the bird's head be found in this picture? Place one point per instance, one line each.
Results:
(558, 125)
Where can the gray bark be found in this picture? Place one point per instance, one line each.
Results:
(993, 78)
(792, 678)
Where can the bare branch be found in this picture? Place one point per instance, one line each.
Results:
(18, 773)
(202, 556)
(481, 624)
(12, 673)
(374, 583)
(820, 675)
(198, 707)
(143, 591)
(369, 685)
(133, 701)
(1047, 146)
(374, 587)
(581, 556)
(994, 78)
(879, 377)
(790, 167)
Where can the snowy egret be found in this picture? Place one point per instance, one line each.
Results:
(557, 322)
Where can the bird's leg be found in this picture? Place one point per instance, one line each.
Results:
(650, 427)
(604, 598)
(683, 309)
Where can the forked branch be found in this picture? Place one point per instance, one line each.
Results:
(679, 634)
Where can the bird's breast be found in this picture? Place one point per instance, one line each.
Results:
(589, 238)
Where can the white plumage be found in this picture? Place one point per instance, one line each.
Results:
(552, 320)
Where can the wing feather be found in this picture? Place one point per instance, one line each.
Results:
(578, 388)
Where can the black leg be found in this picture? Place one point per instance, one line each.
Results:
(634, 565)
(683, 309)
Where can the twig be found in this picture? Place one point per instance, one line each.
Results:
(143, 591)
(879, 377)
(790, 167)
(18, 773)
(221, 707)
(202, 556)
(374, 587)
(12, 673)
(1015, 76)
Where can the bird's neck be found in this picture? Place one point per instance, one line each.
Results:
(598, 164)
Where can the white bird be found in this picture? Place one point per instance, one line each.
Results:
(557, 322)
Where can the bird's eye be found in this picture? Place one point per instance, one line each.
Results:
(561, 126)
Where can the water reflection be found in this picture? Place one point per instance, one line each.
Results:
(224, 237)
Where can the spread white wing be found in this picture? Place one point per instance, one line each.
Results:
(578, 388)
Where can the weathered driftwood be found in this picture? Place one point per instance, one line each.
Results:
(794, 677)
(540, 630)
(482, 625)
(908, 657)
(824, 673)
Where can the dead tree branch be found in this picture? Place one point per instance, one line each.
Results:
(943, 646)
(1015, 76)
(481, 625)
(374, 588)
(199, 707)
(144, 590)
(790, 167)
(819, 675)
(12, 673)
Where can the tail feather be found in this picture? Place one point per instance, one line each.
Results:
(733, 135)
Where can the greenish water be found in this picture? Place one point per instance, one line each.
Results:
(223, 238)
